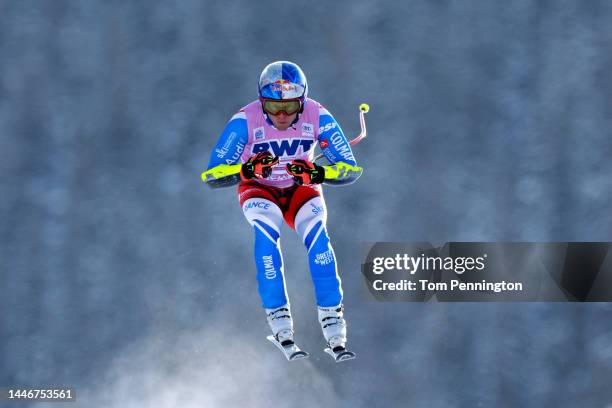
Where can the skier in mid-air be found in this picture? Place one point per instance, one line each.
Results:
(267, 148)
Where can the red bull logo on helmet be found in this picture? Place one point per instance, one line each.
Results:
(281, 85)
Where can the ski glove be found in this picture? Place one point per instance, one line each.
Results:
(306, 172)
(258, 166)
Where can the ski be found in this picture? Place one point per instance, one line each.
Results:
(341, 355)
(292, 352)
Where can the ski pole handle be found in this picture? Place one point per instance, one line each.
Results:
(363, 109)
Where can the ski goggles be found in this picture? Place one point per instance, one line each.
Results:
(275, 106)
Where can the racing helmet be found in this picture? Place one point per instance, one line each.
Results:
(282, 81)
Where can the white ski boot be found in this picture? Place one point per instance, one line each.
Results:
(281, 323)
(334, 330)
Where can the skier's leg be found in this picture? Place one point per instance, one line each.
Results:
(310, 224)
(266, 218)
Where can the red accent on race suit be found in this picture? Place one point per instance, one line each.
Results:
(289, 199)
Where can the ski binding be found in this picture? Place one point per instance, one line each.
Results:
(292, 352)
(341, 355)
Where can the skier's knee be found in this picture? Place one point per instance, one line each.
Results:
(310, 219)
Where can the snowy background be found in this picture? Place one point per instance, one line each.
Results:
(122, 275)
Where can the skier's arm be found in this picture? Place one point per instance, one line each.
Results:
(224, 165)
(343, 167)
